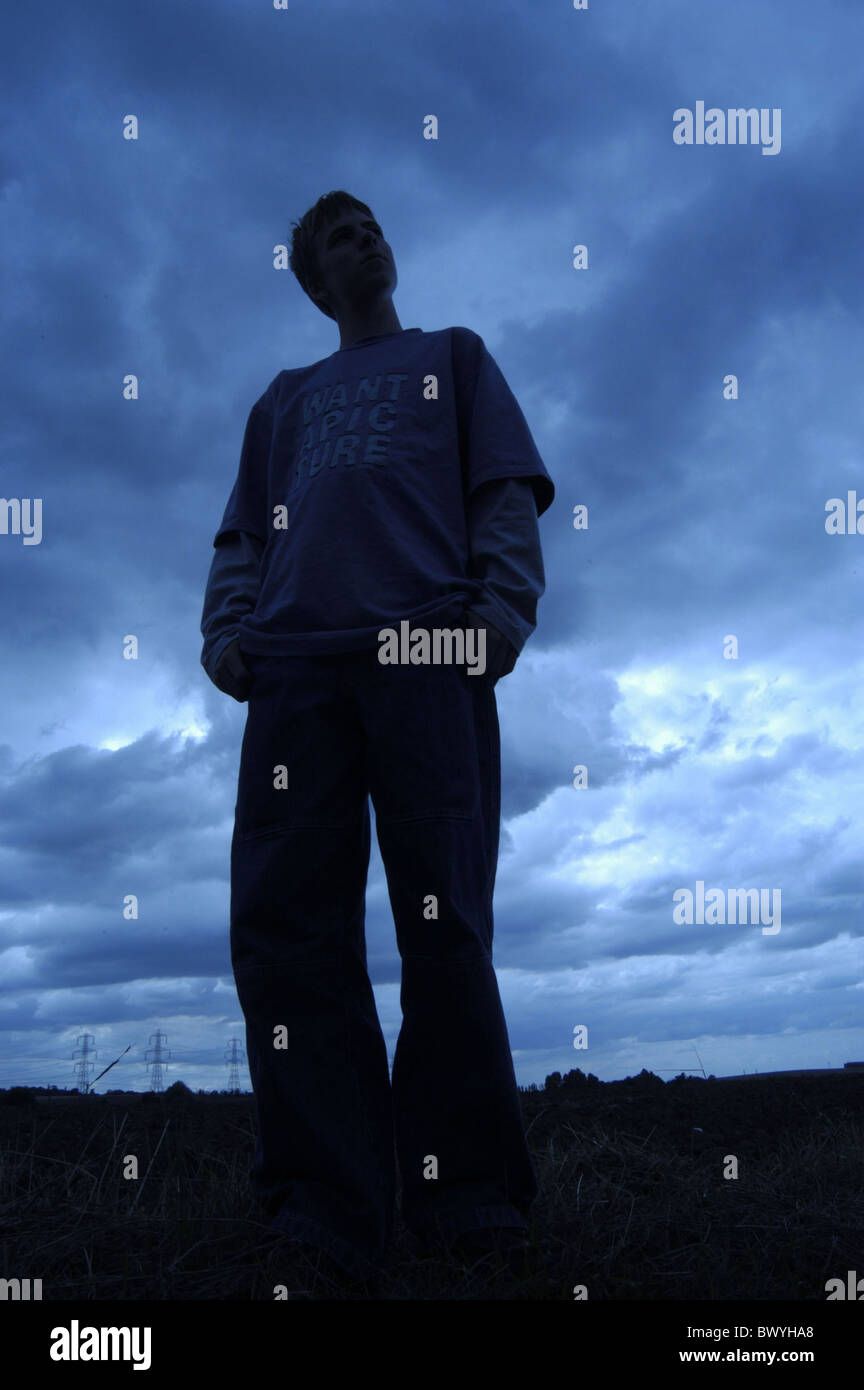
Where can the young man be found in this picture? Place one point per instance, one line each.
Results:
(385, 506)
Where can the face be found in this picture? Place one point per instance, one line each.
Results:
(355, 263)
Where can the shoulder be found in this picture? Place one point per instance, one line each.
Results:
(466, 337)
(282, 385)
(468, 351)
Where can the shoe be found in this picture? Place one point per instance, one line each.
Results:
(320, 1273)
(501, 1245)
(500, 1249)
(303, 1269)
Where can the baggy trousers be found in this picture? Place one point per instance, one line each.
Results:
(323, 733)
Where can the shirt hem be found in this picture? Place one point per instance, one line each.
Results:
(261, 643)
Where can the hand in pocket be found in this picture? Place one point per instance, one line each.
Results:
(501, 655)
(232, 675)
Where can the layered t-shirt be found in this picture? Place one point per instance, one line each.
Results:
(356, 477)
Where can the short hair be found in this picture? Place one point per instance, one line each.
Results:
(303, 260)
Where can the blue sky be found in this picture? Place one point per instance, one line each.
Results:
(706, 514)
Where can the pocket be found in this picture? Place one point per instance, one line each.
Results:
(253, 672)
(260, 670)
(253, 662)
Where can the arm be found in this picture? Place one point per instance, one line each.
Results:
(506, 556)
(232, 591)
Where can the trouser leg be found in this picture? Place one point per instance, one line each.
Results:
(324, 1160)
(434, 772)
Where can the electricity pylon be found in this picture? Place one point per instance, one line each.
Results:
(233, 1058)
(158, 1058)
(84, 1066)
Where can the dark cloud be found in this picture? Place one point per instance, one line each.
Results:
(706, 516)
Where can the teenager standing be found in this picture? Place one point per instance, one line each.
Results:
(394, 480)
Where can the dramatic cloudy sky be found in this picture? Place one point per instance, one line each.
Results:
(706, 514)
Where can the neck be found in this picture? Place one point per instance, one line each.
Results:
(356, 325)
